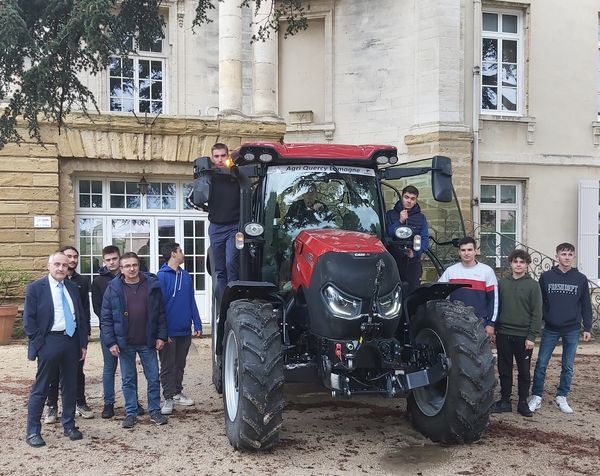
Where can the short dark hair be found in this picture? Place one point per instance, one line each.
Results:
(110, 249)
(169, 248)
(520, 254)
(467, 240)
(565, 247)
(129, 254)
(62, 249)
(410, 189)
(219, 145)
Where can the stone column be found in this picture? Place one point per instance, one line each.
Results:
(230, 57)
(264, 77)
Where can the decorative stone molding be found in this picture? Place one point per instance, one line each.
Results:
(596, 133)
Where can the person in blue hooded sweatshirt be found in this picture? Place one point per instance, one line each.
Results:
(407, 212)
(180, 304)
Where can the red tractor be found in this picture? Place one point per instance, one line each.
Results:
(320, 297)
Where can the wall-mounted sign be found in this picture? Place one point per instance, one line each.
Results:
(42, 222)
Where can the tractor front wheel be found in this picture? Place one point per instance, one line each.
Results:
(456, 409)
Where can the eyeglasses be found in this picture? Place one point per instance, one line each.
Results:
(130, 266)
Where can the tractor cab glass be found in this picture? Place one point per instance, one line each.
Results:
(304, 197)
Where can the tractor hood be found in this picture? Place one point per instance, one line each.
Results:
(340, 241)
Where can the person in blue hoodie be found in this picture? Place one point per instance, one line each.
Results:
(180, 304)
(407, 212)
(566, 305)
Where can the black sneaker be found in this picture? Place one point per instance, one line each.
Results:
(108, 411)
(501, 406)
(129, 421)
(523, 409)
(140, 410)
(84, 410)
(158, 418)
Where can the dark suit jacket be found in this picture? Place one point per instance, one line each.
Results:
(38, 315)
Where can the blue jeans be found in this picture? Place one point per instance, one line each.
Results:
(108, 375)
(549, 340)
(129, 377)
(225, 254)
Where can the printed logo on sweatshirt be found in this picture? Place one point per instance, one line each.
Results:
(563, 288)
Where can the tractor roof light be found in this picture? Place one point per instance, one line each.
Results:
(393, 159)
(382, 159)
(249, 156)
(265, 157)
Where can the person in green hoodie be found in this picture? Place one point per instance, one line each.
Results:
(517, 327)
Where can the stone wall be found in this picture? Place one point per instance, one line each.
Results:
(37, 180)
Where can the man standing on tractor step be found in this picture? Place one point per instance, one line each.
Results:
(83, 284)
(224, 217)
(181, 310)
(567, 303)
(133, 323)
(482, 294)
(517, 328)
(407, 212)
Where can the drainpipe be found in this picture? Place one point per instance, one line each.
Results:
(475, 185)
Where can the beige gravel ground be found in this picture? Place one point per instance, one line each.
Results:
(320, 436)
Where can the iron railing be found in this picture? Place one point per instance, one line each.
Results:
(540, 262)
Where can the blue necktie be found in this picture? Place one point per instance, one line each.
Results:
(69, 319)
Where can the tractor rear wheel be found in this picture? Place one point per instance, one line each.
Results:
(252, 376)
(456, 409)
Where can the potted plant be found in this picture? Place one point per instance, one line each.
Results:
(12, 282)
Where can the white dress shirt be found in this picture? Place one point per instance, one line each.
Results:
(59, 315)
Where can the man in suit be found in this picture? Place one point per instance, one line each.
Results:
(54, 321)
(83, 283)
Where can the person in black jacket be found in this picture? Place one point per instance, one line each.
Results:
(567, 304)
(224, 217)
(133, 323)
(83, 284)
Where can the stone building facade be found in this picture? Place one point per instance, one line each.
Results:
(507, 89)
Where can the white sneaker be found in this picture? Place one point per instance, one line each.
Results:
(167, 407)
(561, 402)
(535, 402)
(181, 399)
(51, 415)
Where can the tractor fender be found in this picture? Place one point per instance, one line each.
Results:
(429, 292)
(237, 290)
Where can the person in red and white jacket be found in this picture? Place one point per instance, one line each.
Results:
(482, 294)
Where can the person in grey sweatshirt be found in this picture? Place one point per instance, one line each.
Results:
(517, 327)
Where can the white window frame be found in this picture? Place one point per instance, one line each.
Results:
(588, 223)
(517, 207)
(136, 58)
(499, 36)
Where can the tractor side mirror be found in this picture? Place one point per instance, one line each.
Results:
(200, 164)
(441, 178)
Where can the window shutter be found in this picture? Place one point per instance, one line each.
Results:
(587, 229)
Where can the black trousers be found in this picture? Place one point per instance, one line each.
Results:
(410, 270)
(509, 347)
(173, 357)
(60, 353)
(52, 400)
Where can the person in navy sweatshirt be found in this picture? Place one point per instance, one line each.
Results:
(567, 304)
(180, 304)
(407, 212)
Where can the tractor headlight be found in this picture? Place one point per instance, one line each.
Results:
(254, 229)
(403, 232)
(389, 305)
(341, 304)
